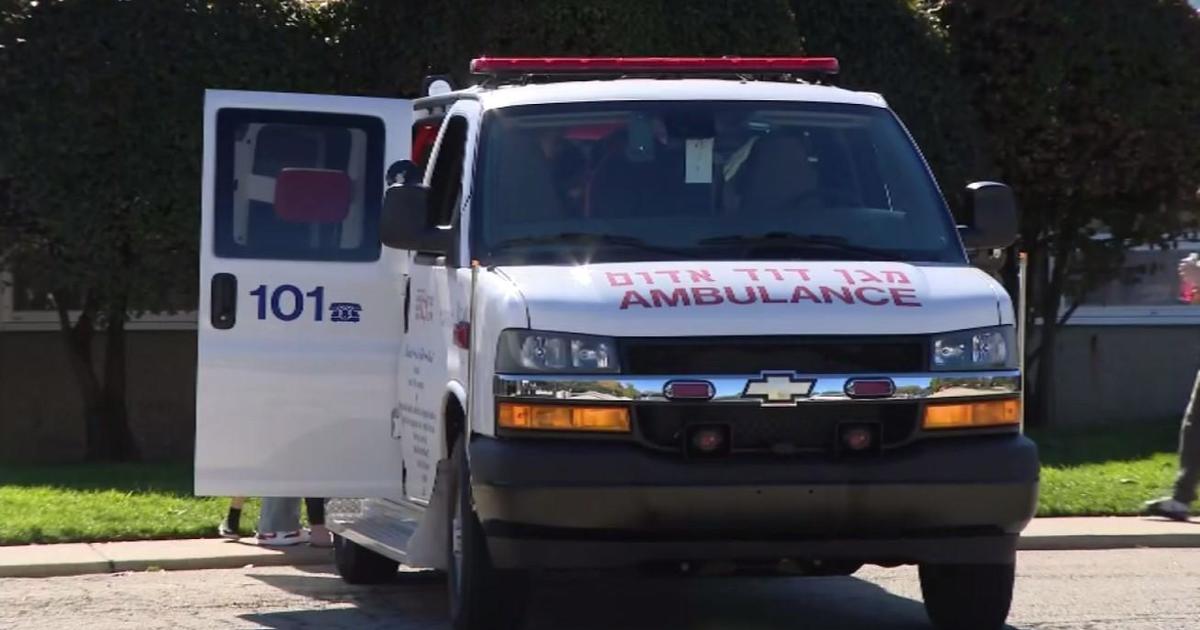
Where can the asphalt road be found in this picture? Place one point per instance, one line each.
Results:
(1125, 590)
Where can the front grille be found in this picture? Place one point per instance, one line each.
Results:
(805, 428)
(751, 355)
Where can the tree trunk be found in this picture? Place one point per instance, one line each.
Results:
(1037, 281)
(1053, 277)
(121, 444)
(107, 435)
(77, 340)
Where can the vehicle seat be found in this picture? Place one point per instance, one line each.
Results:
(778, 177)
(621, 188)
(523, 181)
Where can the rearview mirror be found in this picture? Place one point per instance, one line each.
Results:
(312, 195)
(405, 223)
(992, 210)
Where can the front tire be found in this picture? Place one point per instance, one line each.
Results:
(967, 596)
(359, 565)
(481, 596)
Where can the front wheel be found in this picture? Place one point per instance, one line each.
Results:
(359, 565)
(967, 596)
(481, 596)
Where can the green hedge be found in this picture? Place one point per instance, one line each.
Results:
(386, 48)
(102, 103)
(1088, 105)
(890, 47)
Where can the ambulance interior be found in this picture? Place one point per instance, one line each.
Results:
(319, 168)
(694, 177)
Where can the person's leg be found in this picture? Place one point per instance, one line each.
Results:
(1177, 506)
(279, 521)
(233, 519)
(319, 535)
(1189, 450)
(316, 511)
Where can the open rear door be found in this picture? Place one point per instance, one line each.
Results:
(300, 307)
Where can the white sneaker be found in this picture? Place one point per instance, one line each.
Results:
(282, 539)
(226, 531)
(1168, 508)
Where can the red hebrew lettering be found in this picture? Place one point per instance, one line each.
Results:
(633, 298)
(753, 273)
(860, 292)
(767, 299)
(674, 275)
(700, 275)
(646, 276)
(775, 272)
(867, 276)
(896, 277)
(843, 294)
(675, 298)
(706, 296)
(618, 279)
(803, 273)
(905, 297)
(733, 297)
(846, 275)
(804, 293)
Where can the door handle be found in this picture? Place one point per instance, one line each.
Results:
(407, 299)
(223, 301)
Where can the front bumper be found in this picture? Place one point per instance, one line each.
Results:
(578, 504)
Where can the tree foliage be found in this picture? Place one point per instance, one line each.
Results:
(902, 52)
(1091, 110)
(1087, 107)
(386, 47)
(102, 103)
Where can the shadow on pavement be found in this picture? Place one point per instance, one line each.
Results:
(610, 602)
(321, 583)
(718, 603)
(413, 601)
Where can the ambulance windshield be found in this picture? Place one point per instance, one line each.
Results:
(625, 181)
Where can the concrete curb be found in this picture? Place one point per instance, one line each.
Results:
(1101, 542)
(169, 555)
(1108, 532)
(1044, 534)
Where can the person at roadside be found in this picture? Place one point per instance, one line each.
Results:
(228, 528)
(1178, 505)
(279, 523)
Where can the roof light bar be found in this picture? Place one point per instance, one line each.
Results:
(654, 65)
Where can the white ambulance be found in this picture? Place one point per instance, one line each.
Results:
(625, 312)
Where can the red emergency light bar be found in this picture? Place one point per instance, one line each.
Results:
(654, 65)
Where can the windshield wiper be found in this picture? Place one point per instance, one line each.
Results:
(791, 239)
(588, 238)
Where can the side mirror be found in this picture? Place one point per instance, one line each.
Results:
(405, 222)
(992, 208)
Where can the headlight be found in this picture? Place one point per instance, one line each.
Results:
(983, 349)
(533, 351)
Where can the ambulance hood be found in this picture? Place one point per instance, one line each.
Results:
(663, 299)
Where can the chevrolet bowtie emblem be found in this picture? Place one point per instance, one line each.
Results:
(778, 389)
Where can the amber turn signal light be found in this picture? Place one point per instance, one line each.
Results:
(989, 413)
(563, 418)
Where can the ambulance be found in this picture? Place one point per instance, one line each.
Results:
(709, 315)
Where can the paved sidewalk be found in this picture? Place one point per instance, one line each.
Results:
(1044, 534)
(204, 553)
(1108, 532)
